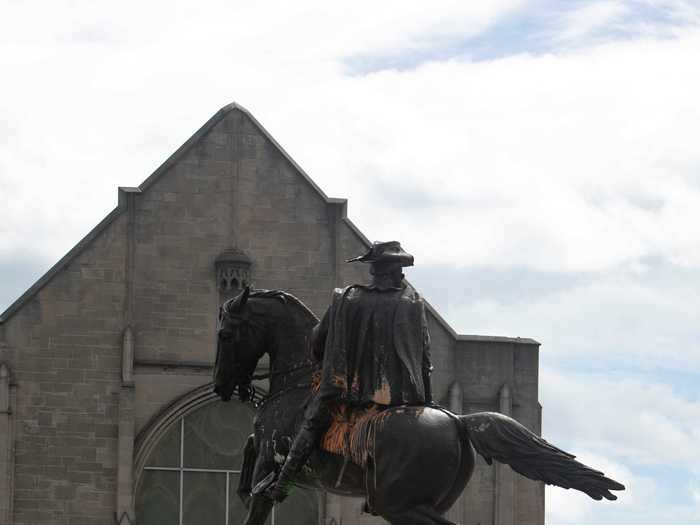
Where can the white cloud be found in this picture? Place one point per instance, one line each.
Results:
(681, 11)
(580, 24)
(97, 95)
(630, 316)
(695, 495)
(303, 32)
(640, 423)
(619, 427)
(590, 17)
(540, 161)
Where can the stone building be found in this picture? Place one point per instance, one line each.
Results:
(106, 410)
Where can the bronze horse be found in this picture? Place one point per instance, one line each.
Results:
(418, 460)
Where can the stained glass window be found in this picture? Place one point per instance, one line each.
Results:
(191, 477)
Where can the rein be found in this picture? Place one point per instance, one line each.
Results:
(264, 399)
(281, 372)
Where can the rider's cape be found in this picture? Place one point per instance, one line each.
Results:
(377, 347)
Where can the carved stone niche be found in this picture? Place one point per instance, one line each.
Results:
(233, 272)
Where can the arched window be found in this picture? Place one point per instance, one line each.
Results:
(192, 474)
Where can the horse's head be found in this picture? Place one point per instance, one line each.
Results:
(252, 324)
(241, 343)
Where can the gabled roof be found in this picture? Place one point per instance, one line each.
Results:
(171, 161)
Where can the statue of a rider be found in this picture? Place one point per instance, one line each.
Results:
(374, 345)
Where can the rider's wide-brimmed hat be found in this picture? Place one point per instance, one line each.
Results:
(389, 252)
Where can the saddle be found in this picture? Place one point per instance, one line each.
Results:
(351, 433)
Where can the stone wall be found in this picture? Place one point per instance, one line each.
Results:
(67, 358)
(500, 374)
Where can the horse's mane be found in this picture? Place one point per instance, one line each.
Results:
(286, 298)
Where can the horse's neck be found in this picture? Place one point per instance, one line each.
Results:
(288, 356)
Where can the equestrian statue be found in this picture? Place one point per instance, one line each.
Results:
(350, 407)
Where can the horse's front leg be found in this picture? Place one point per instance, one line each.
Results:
(260, 508)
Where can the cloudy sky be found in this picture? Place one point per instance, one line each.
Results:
(540, 159)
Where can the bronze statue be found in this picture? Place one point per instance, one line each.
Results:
(350, 407)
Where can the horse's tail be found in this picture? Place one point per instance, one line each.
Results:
(499, 437)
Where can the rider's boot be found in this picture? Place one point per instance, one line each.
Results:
(318, 418)
(301, 449)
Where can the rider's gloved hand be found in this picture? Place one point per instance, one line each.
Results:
(280, 490)
(272, 487)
